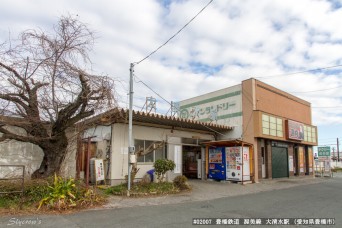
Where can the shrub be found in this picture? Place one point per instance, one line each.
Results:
(161, 166)
(61, 194)
(181, 182)
(67, 193)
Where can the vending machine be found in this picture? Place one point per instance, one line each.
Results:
(217, 163)
(237, 163)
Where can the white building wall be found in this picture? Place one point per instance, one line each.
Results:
(222, 107)
(119, 159)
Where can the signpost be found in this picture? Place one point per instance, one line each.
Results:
(324, 160)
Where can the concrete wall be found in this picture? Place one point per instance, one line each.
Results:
(119, 158)
(20, 153)
(222, 107)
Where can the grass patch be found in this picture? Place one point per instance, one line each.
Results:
(10, 201)
(34, 190)
(149, 189)
(49, 195)
(336, 169)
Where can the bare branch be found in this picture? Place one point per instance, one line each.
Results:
(44, 79)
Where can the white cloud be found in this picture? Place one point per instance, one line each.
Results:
(243, 38)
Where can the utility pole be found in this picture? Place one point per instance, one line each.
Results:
(338, 151)
(333, 154)
(130, 126)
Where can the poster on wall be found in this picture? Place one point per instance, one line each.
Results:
(301, 160)
(326, 166)
(291, 163)
(295, 130)
(177, 159)
(99, 170)
(310, 159)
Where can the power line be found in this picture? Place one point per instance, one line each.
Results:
(175, 33)
(317, 90)
(330, 138)
(329, 107)
(327, 144)
(140, 81)
(298, 72)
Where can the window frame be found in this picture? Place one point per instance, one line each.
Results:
(154, 151)
(272, 125)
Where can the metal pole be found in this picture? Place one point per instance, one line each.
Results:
(130, 124)
(338, 151)
(88, 162)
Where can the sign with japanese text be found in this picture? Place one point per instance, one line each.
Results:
(178, 159)
(99, 170)
(295, 130)
(291, 163)
(323, 151)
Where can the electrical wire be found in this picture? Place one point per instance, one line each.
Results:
(312, 91)
(298, 72)
(175, 33)
(338, 107)
(140, 81)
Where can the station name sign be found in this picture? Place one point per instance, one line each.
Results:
(323, 151)
(295, 130)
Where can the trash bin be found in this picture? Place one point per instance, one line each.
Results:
(151, 173)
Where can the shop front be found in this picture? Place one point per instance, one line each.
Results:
(279, 159)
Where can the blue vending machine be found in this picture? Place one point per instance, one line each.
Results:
(217, 163)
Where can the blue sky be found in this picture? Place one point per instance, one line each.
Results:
(229, 42)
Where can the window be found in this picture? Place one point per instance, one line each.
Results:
(310, 134)
(272, 126)
(149, 151)
(265, 124)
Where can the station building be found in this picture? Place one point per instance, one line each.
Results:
(277, 124)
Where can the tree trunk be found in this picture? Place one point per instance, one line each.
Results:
(54, 154)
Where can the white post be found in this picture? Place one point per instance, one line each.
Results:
(130, 124)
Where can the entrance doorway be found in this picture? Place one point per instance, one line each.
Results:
(83, 157)
(279, 162)
(191, 156)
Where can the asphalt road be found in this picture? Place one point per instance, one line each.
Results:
(321, 200)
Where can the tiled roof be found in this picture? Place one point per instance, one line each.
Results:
(118, 115)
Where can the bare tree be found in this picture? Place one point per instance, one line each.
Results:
(45, 85)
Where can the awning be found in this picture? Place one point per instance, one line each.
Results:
(227, 143)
